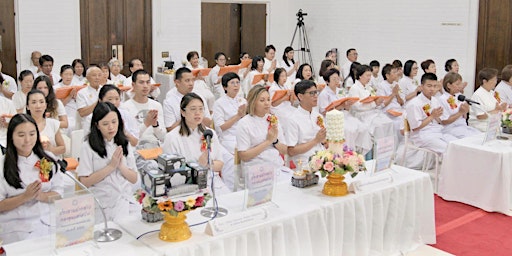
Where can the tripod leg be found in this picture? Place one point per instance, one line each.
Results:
(293, 37)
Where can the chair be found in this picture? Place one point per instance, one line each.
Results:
(427, 157)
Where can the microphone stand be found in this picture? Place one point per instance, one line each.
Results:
(215, 211)
(107, 234)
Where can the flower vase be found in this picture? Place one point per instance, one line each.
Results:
(175, 228)
(507, 130)
(335, 186)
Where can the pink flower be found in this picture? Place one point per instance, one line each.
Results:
(329, 166)
(179, 206)
(318, 164)
(199, 201)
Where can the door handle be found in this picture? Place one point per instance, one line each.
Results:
(1, 43)
(120, 52)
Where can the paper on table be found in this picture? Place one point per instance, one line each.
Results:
(228, 69)
(336, 103)
(394, 113)
(63, 92)
(201, 71)
(150, 153)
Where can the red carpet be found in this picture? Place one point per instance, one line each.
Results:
(466, 230)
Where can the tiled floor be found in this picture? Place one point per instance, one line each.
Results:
(426, 250)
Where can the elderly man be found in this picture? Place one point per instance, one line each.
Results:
(34, 66)
(87, 98)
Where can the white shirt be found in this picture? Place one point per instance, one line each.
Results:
(385, 89)
(130, 124)
(84, 98)
(171, 106)
(505, 92)
(50, 129)
(268, 63)
(345, 69)
(416, 114)
(291, 77)
(139, 112)
(361, 91)
(19, 99)
(6, 107)
(55, 76)
(129, 83)
(114, 191)
(78, 80)
(326, 97)
(224, 109)
(247, 84)
(9, 83)
(190, 146)
(487, 103)
(252, 131)
(303, 128)
(286, 106)
(117, 80)
(17, 223)
(407, 85)
(375, 81)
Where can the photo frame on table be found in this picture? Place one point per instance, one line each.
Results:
(383, 153)
(493, 124)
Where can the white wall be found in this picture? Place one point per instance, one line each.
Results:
(395, 29)
(51, 27)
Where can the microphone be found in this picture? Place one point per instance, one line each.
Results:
(107, 234)
(463, 98)
(208, 134)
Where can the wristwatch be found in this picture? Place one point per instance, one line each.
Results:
(275, 142)
(157, 124)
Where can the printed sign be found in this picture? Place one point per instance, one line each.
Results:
(259, 183)
(493, 125)
(75, 220)
(384, 149)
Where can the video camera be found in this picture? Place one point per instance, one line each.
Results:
(301, 14)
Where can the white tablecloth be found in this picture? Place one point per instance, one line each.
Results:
(479, 175)
(385, 220)
(126, 245)
(166, 83)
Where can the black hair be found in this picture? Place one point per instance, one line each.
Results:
(11, 169)
(95, 138)
(300, 69)
(361, 69)
(353, 70)
(374, 63)
(425, 64)
(191, 55)
(24, 74)
(448, 65)
(285, 59)
(184, 129)
(277, 74)
(35, 91)
(138, 73)
(228, 77)
(106, 88)
(76, 61)
(302, 86)
(269, 47)
(324, 66)
(45, 58)
(218, 54)
(386, 70)
(408, 67)
(428, 76)
(242, 54)
(397, 64)
(179, 73)
(51, 100)
(64, 68)
(130, 64)
(349, 50)
(329, 73)
(255, 60)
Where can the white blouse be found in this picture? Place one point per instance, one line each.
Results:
(303, 128)
(487, 103)
(224, 109)
(190, 146)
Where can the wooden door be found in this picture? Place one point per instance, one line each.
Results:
(116, 22)
(253, 29)
(220, 31)
(494, 43)
(8, 38)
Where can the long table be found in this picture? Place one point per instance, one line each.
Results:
(385, 220)
(478, 175)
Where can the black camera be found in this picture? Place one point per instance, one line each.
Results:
(301, 14)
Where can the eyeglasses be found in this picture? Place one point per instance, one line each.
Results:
(195, 110)
(312, 93)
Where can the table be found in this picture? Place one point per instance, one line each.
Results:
(385, 220)
(126, 245)
(478, 175)
(166, 82)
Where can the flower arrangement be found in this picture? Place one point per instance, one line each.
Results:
(177, 206)
(204, 144)
(320, 122)
(45, 168)
(426, 109)
(272, 120)
(506, 119)
(497, 96)
(451, 102)
(327, 162)
(148, 203)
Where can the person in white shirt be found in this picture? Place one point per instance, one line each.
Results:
(107, 164)
(504, 88)
(394, 102)
(454, 112)
(7, 110)
(147, 112)
(187, 139)
(351, 58)
(55, 109)
(19, 98)
(452, 65)
(351, 79)
(214, 80)
(399, 67)
(283, 106)
(184, 81)
(260, 139)
(270, 59)
(200, 86)
(242, 72)
(409, 85)
(376, 78)
(110, 93)
(304, 73)
(7, 84)
(428, 66)
(115, 67)
(46, 63)
(304, 135)
(256, 69)
(105, 73)
(87, 98)
(51, 138)
(423, 113)
(324, 66)
(34, 63)
(66, 73)
(134, 65)
(25, 189)
(490, 101)
(289, 64)
(79, 70)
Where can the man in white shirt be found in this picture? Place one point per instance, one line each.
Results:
(147, 112)
(134, 65)
(87, 98)
(270, 59)
(351, 57)
(46, 63)
(35, 67)
(184, 81)
(7, 84)
(423, 113)
(504, 88)
(304, 132)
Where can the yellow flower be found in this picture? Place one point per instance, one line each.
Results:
(165, 206)
(191, 202)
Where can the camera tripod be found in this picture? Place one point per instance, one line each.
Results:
(303, 42)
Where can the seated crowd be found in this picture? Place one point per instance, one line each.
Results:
(119, 114)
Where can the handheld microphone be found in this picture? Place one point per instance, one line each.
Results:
(107, 234)
(463, 98)
(208, 134)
